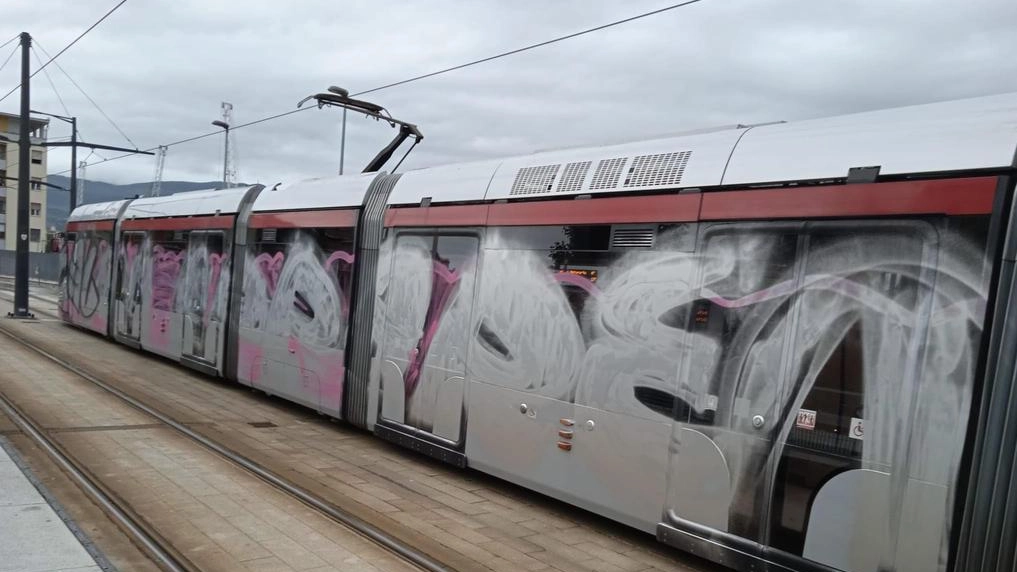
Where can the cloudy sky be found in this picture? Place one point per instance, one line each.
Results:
(161, 68)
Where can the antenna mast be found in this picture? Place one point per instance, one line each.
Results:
(229, 158)
(81, 182)
(160, 162)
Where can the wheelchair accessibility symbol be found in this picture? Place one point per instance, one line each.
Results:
(857, 430)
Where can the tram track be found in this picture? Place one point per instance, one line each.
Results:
(151, 543)
(160, 550)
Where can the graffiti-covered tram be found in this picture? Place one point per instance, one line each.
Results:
(762, 344)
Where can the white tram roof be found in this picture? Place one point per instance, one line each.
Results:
(325, 192)
(191, 203)
(97, 211)
(965, 134)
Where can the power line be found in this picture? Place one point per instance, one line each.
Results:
(248, 124)
(531, 46)
(68, 46)
(196, 137)
(14, 51)
(16, 36)
(92, 101)
(51, 84)
(427, 75)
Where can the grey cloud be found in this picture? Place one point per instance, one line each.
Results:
(161, 69)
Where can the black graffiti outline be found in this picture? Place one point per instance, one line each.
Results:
(79, 276)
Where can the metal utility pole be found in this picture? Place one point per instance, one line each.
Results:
(224, 123)
(24, 181)
(160, 163)
(74, 161)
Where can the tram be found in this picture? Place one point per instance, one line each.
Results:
(767, 345)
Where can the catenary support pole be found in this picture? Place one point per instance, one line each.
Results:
(24, 188)
(74, 164)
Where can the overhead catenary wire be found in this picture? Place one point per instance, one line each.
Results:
(426, 75)
(8, 42)
(68, 46)
(52, 85)
(89, 97)
(11, 55)
(530, 47)
(196, 137)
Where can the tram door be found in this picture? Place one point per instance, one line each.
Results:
(425, 333)
(130, 272)
(206, 282)
(739, 331)
(808, 353)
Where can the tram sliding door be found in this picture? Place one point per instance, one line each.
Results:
(129, 287)
(425, 333)
(836, 363)
(206, 283)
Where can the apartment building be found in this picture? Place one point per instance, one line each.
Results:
(10, 171)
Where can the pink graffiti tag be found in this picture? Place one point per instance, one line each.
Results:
(166, 266)
(215, 262)
(444, 283)
(270, 267)
(575, 280)
(346, 257)
(131, 248)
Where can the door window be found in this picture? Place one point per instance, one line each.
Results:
(205, 293)
(861, 322)
(169, 249)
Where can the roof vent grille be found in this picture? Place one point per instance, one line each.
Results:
(268, 235)
(573, 177)
(632, 237)
(534, 180)
(607, 174)
(657, 170)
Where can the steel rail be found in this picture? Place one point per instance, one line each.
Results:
(353, 522)
(153, 547)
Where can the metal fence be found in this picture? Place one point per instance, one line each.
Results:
(41, 265)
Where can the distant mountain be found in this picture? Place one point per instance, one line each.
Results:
(97, 192)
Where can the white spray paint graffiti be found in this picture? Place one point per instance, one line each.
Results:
(132, 258)
(294, 322)
(773, 313)
(205, 292)
(427, 338)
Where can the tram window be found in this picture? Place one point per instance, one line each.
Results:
(739, 323)
(168, 252)
(212, 241)
(329, 244)
(456, 251)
